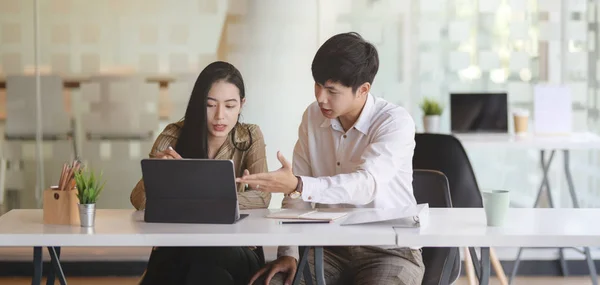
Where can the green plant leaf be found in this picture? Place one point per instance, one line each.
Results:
(431, 107)
(89, 186)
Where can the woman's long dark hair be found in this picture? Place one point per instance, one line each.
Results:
(193, 137)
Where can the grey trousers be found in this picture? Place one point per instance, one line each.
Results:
(362, 265)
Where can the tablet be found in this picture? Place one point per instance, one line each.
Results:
(190, 191)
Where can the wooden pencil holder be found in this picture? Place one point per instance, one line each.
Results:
(60, 207)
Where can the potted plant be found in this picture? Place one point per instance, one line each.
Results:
(431, 115)
(88, 190)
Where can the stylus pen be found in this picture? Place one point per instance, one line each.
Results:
(303, 222)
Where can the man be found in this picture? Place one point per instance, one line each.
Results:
(353, 150)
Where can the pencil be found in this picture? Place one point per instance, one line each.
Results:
(63, 173)
(303, 222)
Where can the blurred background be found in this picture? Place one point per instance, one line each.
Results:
(113, 73)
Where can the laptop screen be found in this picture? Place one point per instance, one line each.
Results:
(479, 112)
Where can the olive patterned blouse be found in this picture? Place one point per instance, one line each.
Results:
(254, 159)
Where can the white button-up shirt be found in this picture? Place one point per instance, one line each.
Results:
(370, 165)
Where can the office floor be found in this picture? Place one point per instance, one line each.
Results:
(462, 281)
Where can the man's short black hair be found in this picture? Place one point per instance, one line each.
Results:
(346, 58)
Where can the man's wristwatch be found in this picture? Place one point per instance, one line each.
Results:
(298, 191)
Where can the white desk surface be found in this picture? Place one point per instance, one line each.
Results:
(583, 140)
(126, 228)
(461, 227)
(447, 227)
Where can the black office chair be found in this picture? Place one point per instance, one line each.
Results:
(442, 264)
(446, 154)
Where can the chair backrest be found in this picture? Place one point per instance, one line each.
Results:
(21, 110)
(22, 167)
(119, 108)
(431, 187)
(446, 154)
(120, 162)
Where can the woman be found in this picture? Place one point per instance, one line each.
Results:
(210, 129)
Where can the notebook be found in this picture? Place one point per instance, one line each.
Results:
(303, 214)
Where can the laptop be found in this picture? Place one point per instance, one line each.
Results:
(479, 112)
(198, 191)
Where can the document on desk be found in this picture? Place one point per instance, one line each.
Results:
(407, 217)
(317, 215)
(552, 109)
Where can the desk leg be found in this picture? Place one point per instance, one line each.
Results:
(50, 275)
(513, 274)
(591, 266)
(57, 269)
(575, 200)
(561, 255)
(484, 279)
(447, 272)
(570, 179)
(303, 267)
(37, 266)
(588, 256)
(481, 265)
(319, 268)
(545, 182)
(544, 186)
(476, 265)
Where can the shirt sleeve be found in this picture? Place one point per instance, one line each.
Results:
(392, 145)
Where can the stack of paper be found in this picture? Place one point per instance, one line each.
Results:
(307, 215)
(412, 216)
(417, 216)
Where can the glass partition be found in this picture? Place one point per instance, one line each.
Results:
(113, 74)
(432, 48)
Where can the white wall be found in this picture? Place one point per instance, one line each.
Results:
(273, 43)
(273, 48)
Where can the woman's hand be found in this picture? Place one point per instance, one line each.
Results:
(168, 153)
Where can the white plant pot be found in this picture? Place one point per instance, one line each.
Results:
(431, 124)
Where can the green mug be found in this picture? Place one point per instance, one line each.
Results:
(496, 204)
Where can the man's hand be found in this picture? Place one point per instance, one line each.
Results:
(250, 186)
(168, 153)
(284, 264)
(282, 180)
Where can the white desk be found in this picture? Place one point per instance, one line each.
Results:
(532, 227)
(525, 227)
(583, 140)
(551, 143)
(447, 228)
(126, 228)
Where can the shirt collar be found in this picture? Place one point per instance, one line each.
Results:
(364, 120)
(362, 123)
